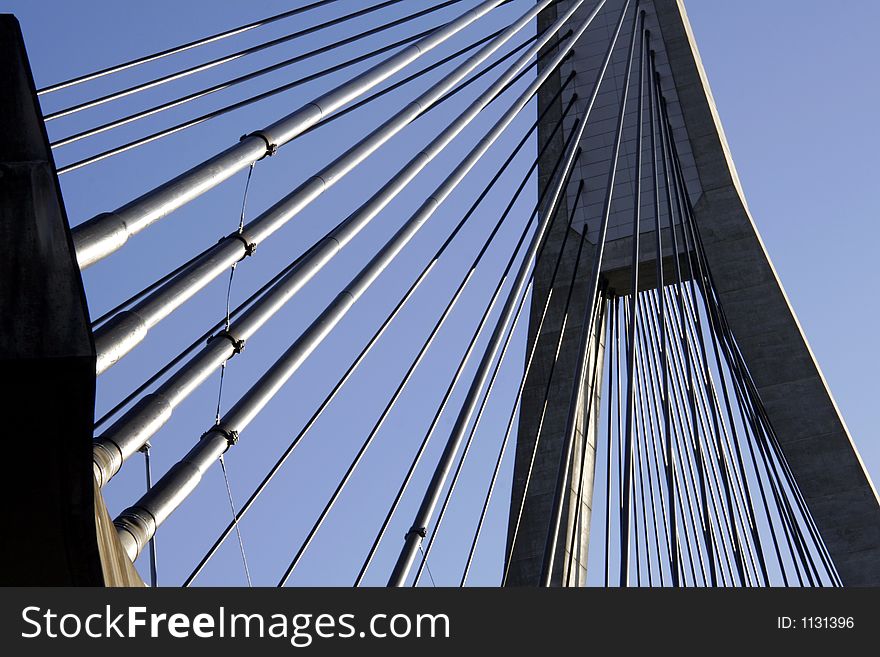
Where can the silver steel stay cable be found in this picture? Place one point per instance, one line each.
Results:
(181, 48)
(486, 394)
(431, 498)
(328, 399)
(587, 329)
(104, 234)
(150, 84)
(138, 522)
(517, 397)
(231, 82)
(120, 441)
(156, 284)
(116, 338)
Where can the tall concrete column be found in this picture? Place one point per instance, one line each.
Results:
(56, 531)
(527, 551)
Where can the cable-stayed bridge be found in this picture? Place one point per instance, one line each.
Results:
(501, 298)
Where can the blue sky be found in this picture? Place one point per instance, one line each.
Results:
(795, 90)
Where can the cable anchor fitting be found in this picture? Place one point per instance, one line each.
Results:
(271, 148)
(421, 531)
(231, 435)
(237, 344)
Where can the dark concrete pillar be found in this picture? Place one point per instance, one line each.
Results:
(47, 357)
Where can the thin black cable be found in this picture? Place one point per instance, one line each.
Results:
(380, 421)
(238, 54)
(245, 304)
(650, 338)
(154, 557)
(680, 430)
(281, 460)
(515, 406)
(266, 94)
(485, 395)
(646, 425)
(158, 283)
(414, 464)
(231, 82)
(612, 338)
(648, 410)
(562, 469)
(178, 49)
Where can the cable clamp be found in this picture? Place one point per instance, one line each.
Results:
(237, 345)
(231, 435)
(249, 247)
(271, 148)
(421, 531)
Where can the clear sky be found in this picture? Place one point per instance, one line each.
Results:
(797, 94)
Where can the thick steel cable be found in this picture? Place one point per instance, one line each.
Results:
(569, 155)
(116, 68)
(114, 446)
(484, 398)
(150, 84)
(653, 105)
(231, 82)
(650, 338)
(100, 236)
(289, 450)
(117, 338)
(700, 419)
(699, 466)
(516, 401)
(138, 522)
(555, 519)
(161, 281)
(465, 280)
